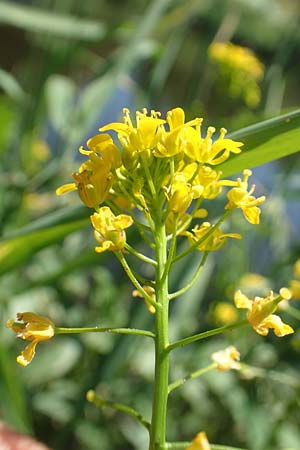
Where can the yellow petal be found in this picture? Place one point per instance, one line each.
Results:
(27, 354)
(242, 301)
(65, 188)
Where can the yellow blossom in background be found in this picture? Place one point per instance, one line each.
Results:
(239, 197)
(213, 242)
(150, 291)
(33, 328)
(296, 269)
(239, 69)
(109, 229)
(260, 312)
(227, 359)
(295, 289)
(200, 442)
(225, 313)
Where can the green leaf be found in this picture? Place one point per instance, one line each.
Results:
(38, 20)
(19, 246)
(264, 142)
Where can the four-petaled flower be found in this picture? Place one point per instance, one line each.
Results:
(109, 229)
(260, 312)
(33, 328)
(227, 359)
(209, 240)
(239, 197)
(200, 442)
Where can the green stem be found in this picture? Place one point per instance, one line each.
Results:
(193, 280)
(100, 402)
(293, 312)
(133, 331)
(171, 250)
(139, 255)
(206, 334)
(198, 373)
(161, 381)
(206, 236)
(135, 282)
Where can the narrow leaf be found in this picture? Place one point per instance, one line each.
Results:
(264, 142)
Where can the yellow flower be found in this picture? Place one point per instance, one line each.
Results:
(109, 229)
(227, 359)
(144, 136)
(204, 150)
(213, 242)
(172, 142)
(33, 328)
(260, 312)
(182, 194)
(207, 178)
(239, 197)
(151, 291)
(200, 442)
(94, 178)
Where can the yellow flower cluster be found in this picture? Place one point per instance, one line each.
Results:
(240, 70)
(162, 167)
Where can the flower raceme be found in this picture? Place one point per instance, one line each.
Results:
(163, 165)
(260, 312)
(33, 328)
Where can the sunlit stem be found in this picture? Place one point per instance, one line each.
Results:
(100, 403)
(161, 376)
(193, 280)
(139, 255)
(133, 331)
(203, 239)
(135, 282)
(198, 373)
(206, 334)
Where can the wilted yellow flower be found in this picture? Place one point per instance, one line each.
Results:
(227, 359)
(150, 291)
(94, 178)
(239, 197)
(32, 328)
(260, 312)
(200, 442)
(109, 229)
(213, 242)
(144, 136)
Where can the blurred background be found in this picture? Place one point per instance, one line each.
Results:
(68, 67)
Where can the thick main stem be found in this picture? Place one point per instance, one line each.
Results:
(160, 397)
